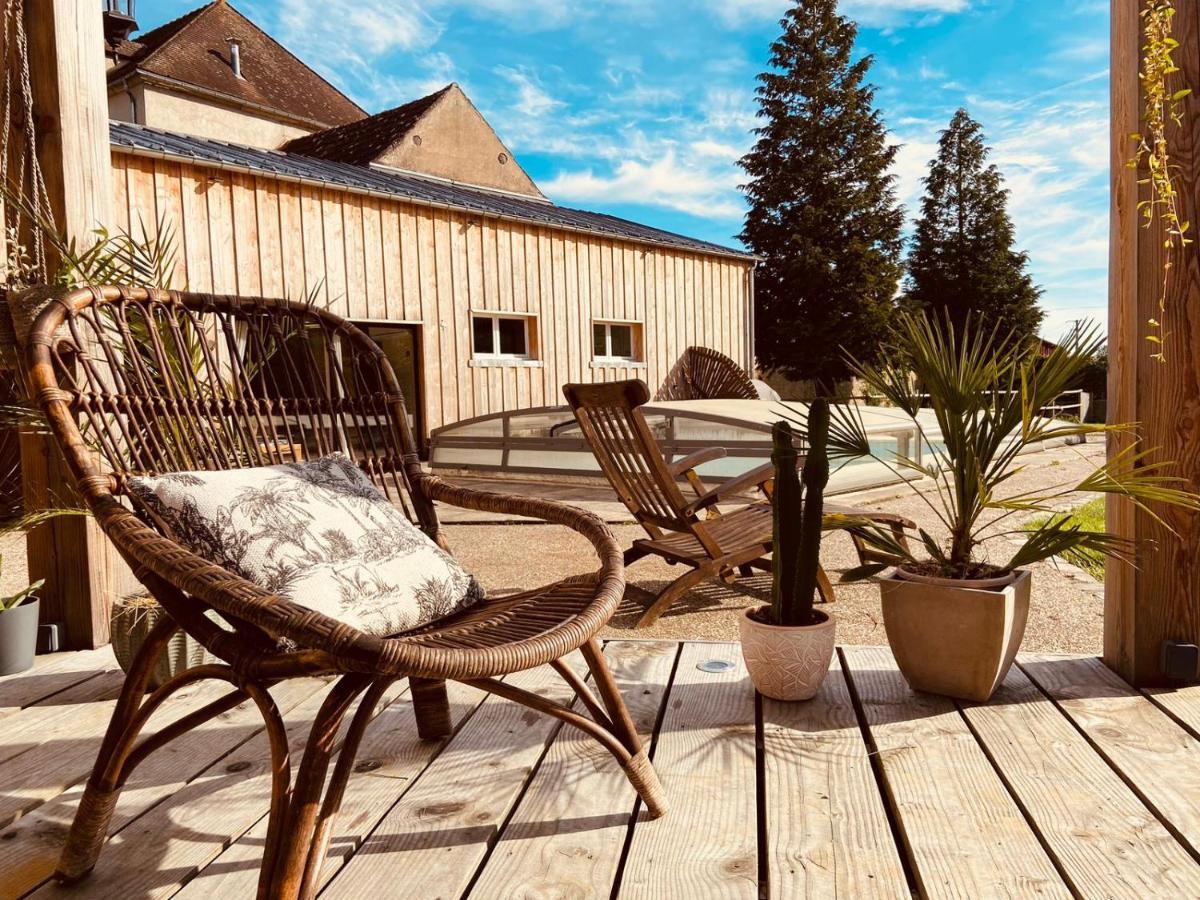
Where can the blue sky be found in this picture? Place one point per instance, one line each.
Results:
(641, 108)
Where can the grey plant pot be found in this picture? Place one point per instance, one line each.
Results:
(18, 637)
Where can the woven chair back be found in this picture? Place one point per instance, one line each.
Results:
(702, 373)
(168, 381)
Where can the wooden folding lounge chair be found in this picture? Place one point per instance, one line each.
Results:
(147, 382)
(702, 373)
(713, 546)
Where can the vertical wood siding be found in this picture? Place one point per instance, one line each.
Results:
(374, 258)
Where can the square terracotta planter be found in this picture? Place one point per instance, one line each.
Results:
(952, 639)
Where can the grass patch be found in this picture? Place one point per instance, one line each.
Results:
(1089, 516)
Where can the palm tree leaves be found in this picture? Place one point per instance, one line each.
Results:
(986, 389)
(1062, 538)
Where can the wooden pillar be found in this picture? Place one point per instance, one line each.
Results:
(1159, 599)
(66, 55)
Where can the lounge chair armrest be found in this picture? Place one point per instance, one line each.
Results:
(692, 460)
(578, 520)
(754, 478)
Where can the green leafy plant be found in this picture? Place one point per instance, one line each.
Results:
(985, 391)
(1164, 106)
(798, 509)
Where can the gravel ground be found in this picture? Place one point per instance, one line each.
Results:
(1066, 615)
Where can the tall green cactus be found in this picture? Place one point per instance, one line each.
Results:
(798, 513)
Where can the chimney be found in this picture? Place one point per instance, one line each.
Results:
(235, 56)
(119, 22)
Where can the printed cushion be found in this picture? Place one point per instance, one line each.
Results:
(318, 533)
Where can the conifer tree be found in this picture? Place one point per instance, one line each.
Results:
(963, 261)
(823, 211)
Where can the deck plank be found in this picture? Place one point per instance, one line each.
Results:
(566, 837)
(706, 845)
(390, 758)
(1157, 757)
(72, 712)
(50, 675)
(31, 846)
(1182, 702)
(67, 750)
(964, 834)
(1093, 769)
(434, 838)
(827, 829)
(1104, 838)
(158, 852)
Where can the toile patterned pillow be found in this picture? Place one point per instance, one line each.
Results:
(318, 533)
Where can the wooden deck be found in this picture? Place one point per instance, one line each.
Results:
(1070, 783)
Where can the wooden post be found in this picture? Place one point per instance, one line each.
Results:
(66, 55)
(1159, 599)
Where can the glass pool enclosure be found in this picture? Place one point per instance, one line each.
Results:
(546, 442)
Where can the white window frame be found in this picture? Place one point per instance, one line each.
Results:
(634, 342)
(496, 354)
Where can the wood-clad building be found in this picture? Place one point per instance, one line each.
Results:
(593, 297)
(417, 222)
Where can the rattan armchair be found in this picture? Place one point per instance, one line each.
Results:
(145, 382)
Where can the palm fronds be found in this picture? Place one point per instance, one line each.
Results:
(986, 389)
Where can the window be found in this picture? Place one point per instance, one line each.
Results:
(616, 341)
(499, 337)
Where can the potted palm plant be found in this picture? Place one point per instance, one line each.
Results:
(955, 607)
(788, 645)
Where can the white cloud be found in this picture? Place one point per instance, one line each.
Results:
(531, 100)
(357, 34)
(664, 182)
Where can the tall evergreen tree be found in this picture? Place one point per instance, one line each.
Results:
(823, 210)
(963, 261)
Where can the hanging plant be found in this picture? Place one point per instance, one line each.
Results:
(1164, 107)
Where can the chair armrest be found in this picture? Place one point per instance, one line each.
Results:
(692, 460)
(754, 478)
(578, 520)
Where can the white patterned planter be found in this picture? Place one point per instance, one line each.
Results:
(787, 663)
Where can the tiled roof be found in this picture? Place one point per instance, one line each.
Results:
(414, 188)
(364, 141)
(194, 49)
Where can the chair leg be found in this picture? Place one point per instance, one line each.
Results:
(90, 826)
(677, 589)
(824, 585)
(337, 787)
(638, 769)
(432, 708)
(282, 878)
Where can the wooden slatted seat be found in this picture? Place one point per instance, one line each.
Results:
(148, 382)
(692, 532)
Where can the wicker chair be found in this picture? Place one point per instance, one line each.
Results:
(137, 381)
(702, 373)
(713, 546)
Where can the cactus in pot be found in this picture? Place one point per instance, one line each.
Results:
(788, 645)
